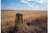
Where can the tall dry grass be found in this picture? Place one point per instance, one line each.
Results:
(33, 21)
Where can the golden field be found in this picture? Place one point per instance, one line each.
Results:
(33, 21)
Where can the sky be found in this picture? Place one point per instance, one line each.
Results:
(24, 5)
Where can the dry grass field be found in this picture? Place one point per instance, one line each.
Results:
(33, 21)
